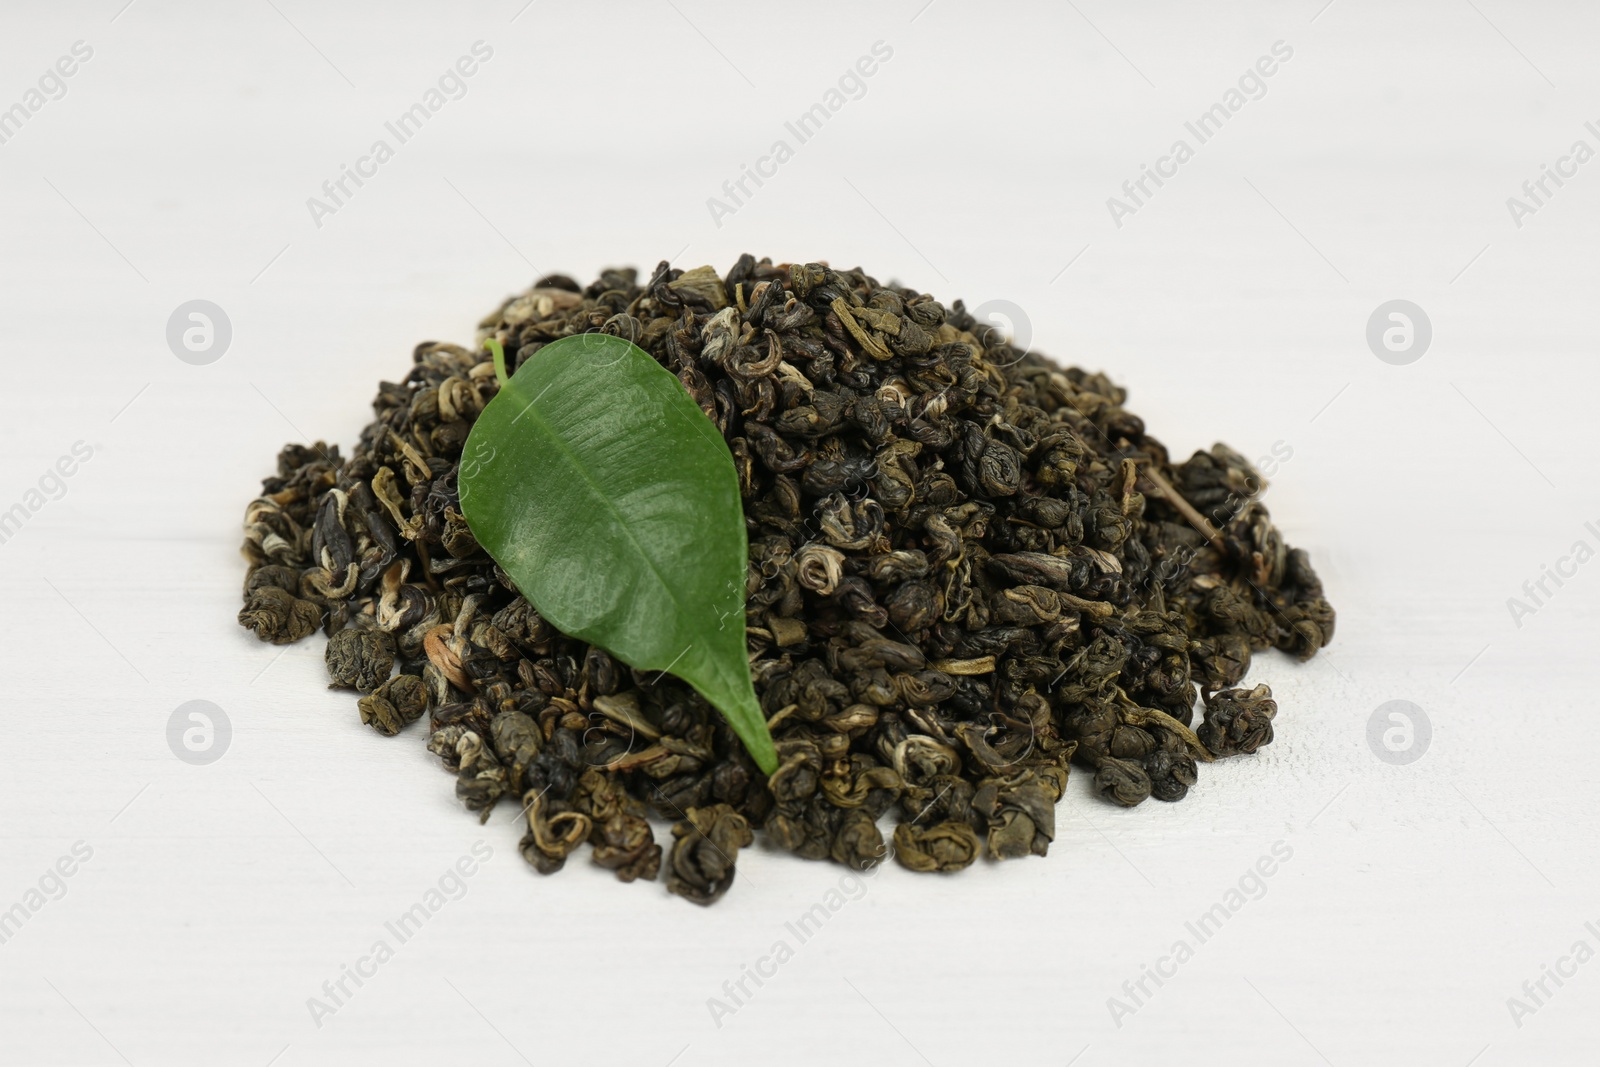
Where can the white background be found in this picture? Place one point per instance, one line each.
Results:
(1419, 896)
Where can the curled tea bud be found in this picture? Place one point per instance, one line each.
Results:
(1000, 469)
(482, 778)
(279, 616)
(1171, 773)
(701, 866)
(946, 846)
(359, 659)
(456, 536)
(1238, 721)
(624, 844)
(523, 625)
(553, 833)
(397, 703)
(819, 568)
(1130, 742)
(1020, 813)
(270, 575)
(517, 741)
(1122, 781)
(915, 606)
(1220, 660)
(858, 844)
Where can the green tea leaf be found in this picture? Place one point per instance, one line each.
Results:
(611, 500)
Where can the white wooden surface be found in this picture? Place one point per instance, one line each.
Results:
(218, 899)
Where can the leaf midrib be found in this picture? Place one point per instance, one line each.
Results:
(610, 506)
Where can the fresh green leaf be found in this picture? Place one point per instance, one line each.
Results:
(611, 500)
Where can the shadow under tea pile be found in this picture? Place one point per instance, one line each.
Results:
(968, 568)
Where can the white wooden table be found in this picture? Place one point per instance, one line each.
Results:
(1407, 902)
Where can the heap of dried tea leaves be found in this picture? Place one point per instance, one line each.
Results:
(968, 568)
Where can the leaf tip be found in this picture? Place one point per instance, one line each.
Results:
(765, 755)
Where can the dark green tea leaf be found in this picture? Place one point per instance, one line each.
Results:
(611, 500)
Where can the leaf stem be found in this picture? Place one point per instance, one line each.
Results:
(499, 358)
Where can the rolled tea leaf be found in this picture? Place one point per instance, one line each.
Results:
(605, 493)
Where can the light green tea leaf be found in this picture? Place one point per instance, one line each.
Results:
(611, 500)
